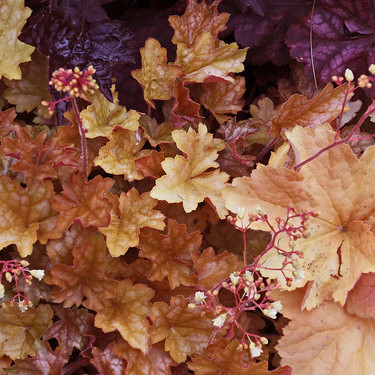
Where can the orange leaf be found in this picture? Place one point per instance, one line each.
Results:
(118, 155)
(212, 268)
(337, 186)
(170, 253)
(223, 97)
(156, 76)
(156, 133)
(84, 201)
(361, 299)
(223, 357)
(102, 116)
(20, 331)
(156, 362)
(198, 18)
(185, 331)
(298, 110)
(39, 159)
(127, 312)
(136, 212)
(325, 340)
(85, 277)
(184, 180)
(22, 211)
(150, 165)
(184, 108)
(7, 121)
(205, 59)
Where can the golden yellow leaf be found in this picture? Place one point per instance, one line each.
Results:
(136, 212)
(326, 340)
(13, 52)
(127, 312)
(336, 185)
(205, 59)
(118, 155)
(186, 180)
(28, 92)
(102, 116)
(156, 76)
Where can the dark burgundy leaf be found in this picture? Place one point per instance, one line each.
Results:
(333, 50)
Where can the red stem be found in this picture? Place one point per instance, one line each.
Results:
(82, 132)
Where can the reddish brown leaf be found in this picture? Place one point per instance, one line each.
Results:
(155, 133)
(84, 201)
(170, 253)
(85, 277)
(106, 362)
(6, 121)
(150, 165)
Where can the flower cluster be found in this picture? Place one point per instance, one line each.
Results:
(74, 82)
(12, 270)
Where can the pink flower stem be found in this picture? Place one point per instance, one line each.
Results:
(370, 110)
(82, 132)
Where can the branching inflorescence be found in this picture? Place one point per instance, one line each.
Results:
(250, 290)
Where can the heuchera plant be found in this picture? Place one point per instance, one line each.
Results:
(228, 229)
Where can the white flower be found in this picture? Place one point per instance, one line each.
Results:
(249, 276)
(220, 320)
(2, 290)
(271, 313)
(349, 76)
(199, 297)
(241, 212)
(39, 274)
(255, 351)
(372, 68)
(234, 279)
(22, 306)
(277, 305)
(299, 275)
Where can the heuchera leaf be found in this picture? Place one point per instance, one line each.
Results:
(361, 299)
(20, 223)
(119, 154)
(156, 76)
(297, 110)
(207, 60)
(186, 179)
(212, 268)
(156, 362)
(46, 362)
(7, 121)
(106, 362)
(170, 253)
(71, 40)
(132, 213)
(39, 159)
(85, 277)
(265, 33)
(150, 165)
(313, 339)
(185, 331)
(335, 49)
(339, 245)
(101, 117)
(223, 357)
(14, 16)
(29, 91)
(223, 97)
(69, 329)
(198, 18)
(84, 201)
(126, 312)
(156, 133)
(21, 331)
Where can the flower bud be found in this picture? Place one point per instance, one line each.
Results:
(220, 320)
(24, 263)
(39, 274)
(8, 277)
(349, 76)
(2, 290)
(372, 68)
(255, 351)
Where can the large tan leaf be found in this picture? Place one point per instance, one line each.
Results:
(339, 188)
(13, 52)
(326, 340)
